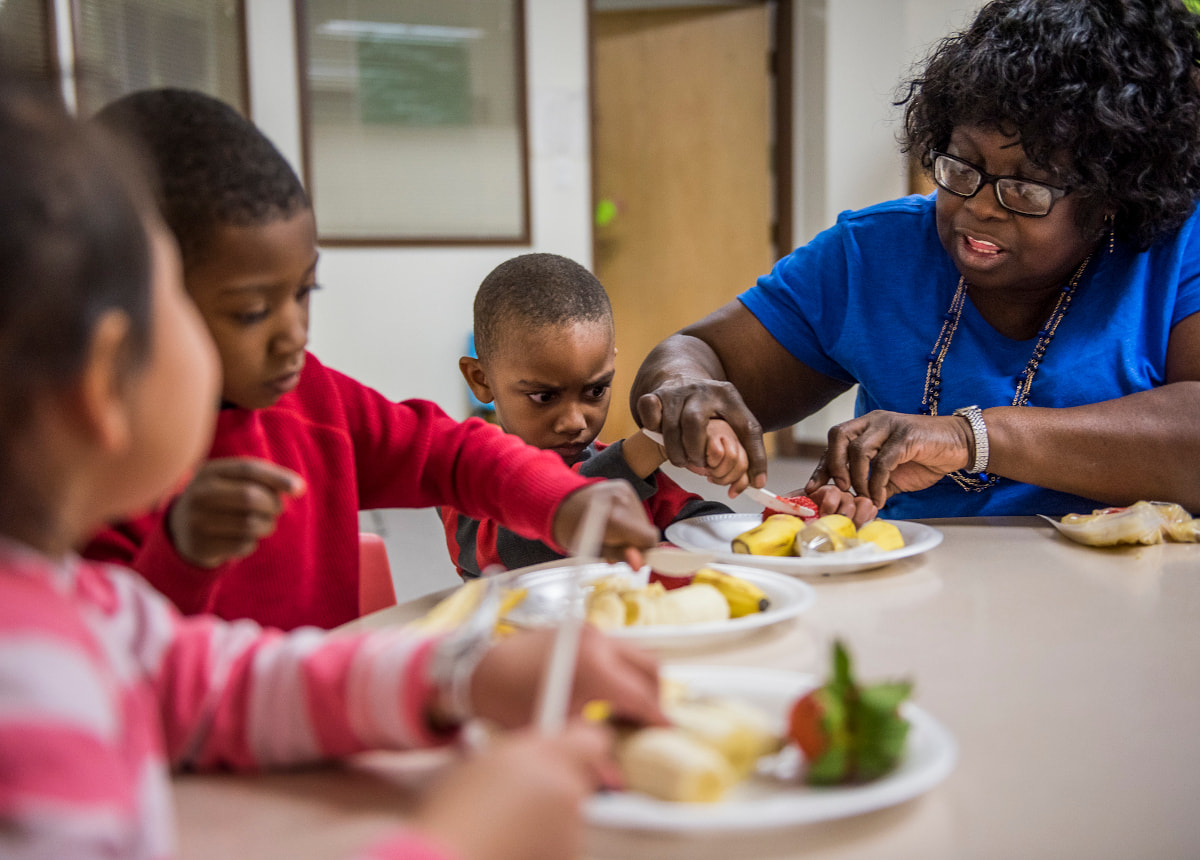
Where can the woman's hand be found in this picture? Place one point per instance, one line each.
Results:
(682, 410)
(883, 453)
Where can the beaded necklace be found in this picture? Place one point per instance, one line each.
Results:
(933, 372)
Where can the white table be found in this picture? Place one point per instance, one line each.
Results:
(1069, 676)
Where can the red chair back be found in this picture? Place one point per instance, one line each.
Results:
(375, 587)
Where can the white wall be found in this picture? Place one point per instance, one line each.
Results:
(397, 319)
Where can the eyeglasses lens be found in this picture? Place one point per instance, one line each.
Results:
(1025, 198)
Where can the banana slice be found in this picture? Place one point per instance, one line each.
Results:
(692, 604)
(673, 765)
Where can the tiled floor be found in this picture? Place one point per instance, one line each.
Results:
(417, 547)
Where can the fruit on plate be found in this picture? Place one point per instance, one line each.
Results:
(739, 731)
(712, 744)
(614, 601)
(802, 501)
(457, 606)
(849, 732)
(1140, 523)
(773, 536)
(692, 604)
(829, 533)
(882, 533)
(673, 765)
(785, 535)
(743, 596)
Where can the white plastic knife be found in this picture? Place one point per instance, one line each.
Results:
(766, 498)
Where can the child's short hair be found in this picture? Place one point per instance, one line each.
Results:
(73, 246)
(536, 290)
(212, 166)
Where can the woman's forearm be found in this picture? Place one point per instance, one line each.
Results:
(1142, 446)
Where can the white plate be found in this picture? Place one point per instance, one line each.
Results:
(778, 797)
(715, 533)
(548, 593)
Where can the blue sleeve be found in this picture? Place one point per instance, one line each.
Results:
(802, 302)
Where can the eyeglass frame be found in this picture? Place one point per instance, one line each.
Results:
(985, 178)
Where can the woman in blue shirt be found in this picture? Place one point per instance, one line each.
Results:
(1025, 339)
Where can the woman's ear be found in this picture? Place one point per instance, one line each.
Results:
(104, 401)
(473, 373)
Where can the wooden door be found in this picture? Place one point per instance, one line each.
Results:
(682, 150)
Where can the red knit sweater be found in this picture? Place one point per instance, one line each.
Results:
(356, 450)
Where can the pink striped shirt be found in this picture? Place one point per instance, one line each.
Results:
(104, 688)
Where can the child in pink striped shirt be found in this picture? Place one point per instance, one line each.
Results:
(107, 380)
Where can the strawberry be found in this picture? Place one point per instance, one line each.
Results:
(802, 501)
(848, 732)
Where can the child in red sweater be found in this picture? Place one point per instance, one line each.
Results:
(268, 526)
(105, 400)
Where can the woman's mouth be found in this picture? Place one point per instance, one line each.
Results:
(980, 253)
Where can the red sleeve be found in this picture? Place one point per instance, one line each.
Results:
(412, 454)
(144, 545)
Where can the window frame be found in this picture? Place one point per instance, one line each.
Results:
(521, 238)
(74, 23)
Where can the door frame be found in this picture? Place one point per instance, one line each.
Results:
(782, 60)
(782, 65)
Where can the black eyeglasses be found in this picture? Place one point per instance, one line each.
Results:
(1023, 196)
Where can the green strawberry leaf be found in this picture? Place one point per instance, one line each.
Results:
(885, 697)
(843, 679)
(829, 768)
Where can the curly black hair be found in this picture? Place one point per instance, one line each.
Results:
(211, 165)
(535, 291)
(1102, 93)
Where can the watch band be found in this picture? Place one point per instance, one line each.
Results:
(974, 416)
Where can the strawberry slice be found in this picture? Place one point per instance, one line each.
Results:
(802, 501)
(847, 732)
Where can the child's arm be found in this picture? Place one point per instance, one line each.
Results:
(724, 455)
(642, 455)
(236, 695)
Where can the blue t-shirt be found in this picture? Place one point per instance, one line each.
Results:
(865, 300)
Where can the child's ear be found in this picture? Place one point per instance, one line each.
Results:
(104, 401)
(473, 373)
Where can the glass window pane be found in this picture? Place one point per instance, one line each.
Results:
(127, 45)
(25, 36)
(415, 119)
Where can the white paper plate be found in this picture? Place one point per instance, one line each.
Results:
(715, 533)
(548, 593)
(777, 797)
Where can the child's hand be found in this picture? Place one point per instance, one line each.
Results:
(725, 458)
(228, 507)
(520, 799)
(830, 500)
(506, 683)
(628, 530)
